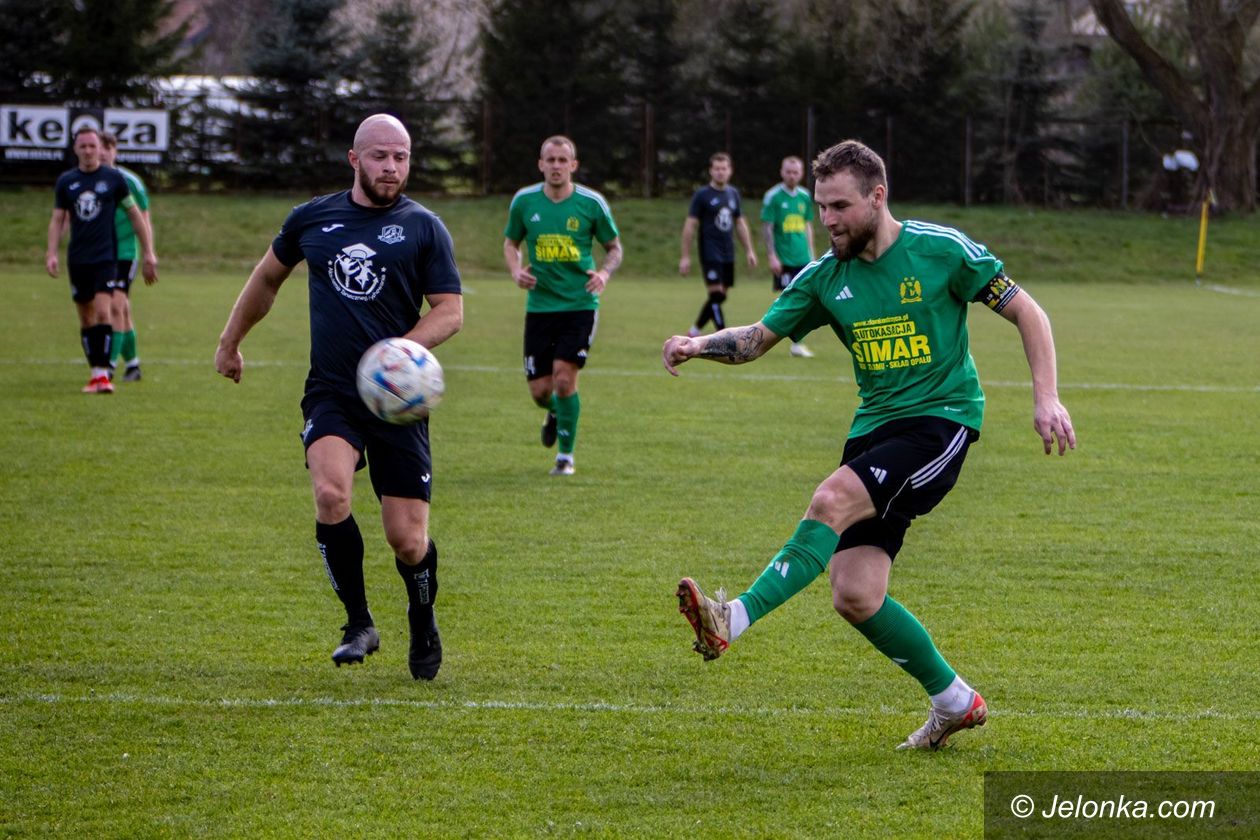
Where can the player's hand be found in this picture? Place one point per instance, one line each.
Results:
(598, 281)
(149, 269)
(1052, 421)
(50, 265)
(776, 265)
(678, 349)
(524, 279)
(229, 363)
(684, 265)
(752, 258)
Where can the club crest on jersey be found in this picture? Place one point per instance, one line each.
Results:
(572, 224)
(353, 274)
(391, 234)
(911, 290)
(87, 207)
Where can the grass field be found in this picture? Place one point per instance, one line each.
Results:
(165, 670)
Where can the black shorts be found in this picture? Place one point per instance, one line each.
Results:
(124, 273)
(780, 281)
(558, 335)
(723, 273)
(908, 466)
(89, 279)
(397, 457)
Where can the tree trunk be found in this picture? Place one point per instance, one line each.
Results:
(1223, 108)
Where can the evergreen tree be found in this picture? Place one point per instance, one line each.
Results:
(549, 67)
(394, 77)
(31, 60)
(654, 58)
(749, 109)
(114, 50)
(295, 118)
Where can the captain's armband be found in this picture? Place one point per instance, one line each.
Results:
(998, 292)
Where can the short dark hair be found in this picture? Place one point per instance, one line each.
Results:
(108, 140)
(854, 157)
(718, 156)
(85, 129)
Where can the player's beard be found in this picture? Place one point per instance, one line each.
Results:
(374, 195)
(857, 239)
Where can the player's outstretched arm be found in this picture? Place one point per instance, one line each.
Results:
(731, 346)
(251, 306)
(1050, 419)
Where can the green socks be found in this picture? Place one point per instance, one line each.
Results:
(566, 410)
(128, 348)
(122, 345)
(897, 634)
(795, 567)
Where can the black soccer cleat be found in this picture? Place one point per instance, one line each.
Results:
(549, 430)
(357, 642)
(132, 374)
(425, 655)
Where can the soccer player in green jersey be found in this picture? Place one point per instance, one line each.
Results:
(896, 295)
(558, 220)
(123, 344)
(787, 223)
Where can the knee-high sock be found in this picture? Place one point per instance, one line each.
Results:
(342, 548)
(422, 585)
(706, 313)
(567, 410)
(795, 567)
(897, 634)
(128, 348)
(716, 299)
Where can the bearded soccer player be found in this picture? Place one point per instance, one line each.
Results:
(896, 294)
(559, 220)
(86, 197)
(374, 257)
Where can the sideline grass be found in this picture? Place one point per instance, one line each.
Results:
(165, 668)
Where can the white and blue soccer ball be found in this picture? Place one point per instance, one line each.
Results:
(400, 381)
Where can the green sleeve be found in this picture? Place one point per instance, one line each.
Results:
(605, 228)
(515, 229)
(797, 312)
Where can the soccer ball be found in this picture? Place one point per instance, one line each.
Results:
(400, 381)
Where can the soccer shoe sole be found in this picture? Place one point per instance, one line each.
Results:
(691, 604)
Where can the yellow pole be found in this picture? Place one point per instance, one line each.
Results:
(1203, 220)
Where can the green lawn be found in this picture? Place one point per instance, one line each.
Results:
(165, 668)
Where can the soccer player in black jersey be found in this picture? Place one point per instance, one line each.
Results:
(373, 257)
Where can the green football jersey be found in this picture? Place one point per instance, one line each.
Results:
(903, 318)
(790, 213)
(558, 236)
(123, 230)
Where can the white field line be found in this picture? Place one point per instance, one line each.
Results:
(123, 699)
(690, 372)
(1230, 290)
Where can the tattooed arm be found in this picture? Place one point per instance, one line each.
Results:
(732, 346)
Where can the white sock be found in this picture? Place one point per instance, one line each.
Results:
(97, 373)
(956, 699)
(739, 618)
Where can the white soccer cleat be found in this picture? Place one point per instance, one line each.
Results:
(564, 466)
(710, 619)
(933, 734)
(801, 351)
